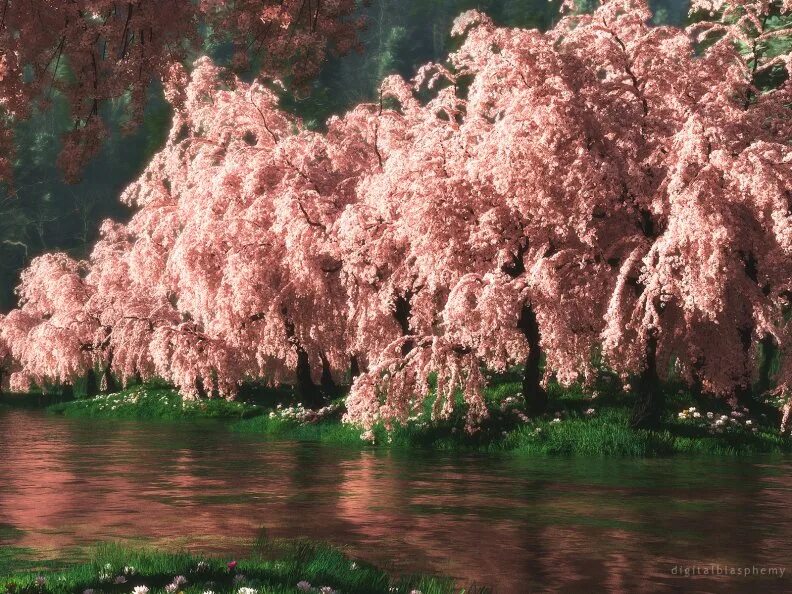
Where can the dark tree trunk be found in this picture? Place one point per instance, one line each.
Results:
(326, 382)
(138, 378)
(744, 395)
(110, 383)
(402, 312)
(67, 392)
(649, 396)
(766, 368)
(91, 384)
(535, 395)
(354, 368)
(2, 377)
(697, 386)
(308, 392)
(200, 389)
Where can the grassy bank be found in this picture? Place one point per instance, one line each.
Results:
(275, 567)
(577, 423)
(153, 402)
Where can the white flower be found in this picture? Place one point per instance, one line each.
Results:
(180, 580)
(556, 420)
(696, 415)
(327, 590)
(415, 592)
(749, 422)
(202, 566)
(247, 591)
(208, 592)
(108, 567)
(129, 570)
(353, 565)
(303, 586)
(710, 415)
(40, 581)
(140, 590)
(590, 412)
(120, 579)
(171, 588)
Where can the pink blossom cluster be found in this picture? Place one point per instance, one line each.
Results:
(604, 188)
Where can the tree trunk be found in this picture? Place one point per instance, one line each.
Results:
(354, 369)
(109, 381)
(402, 312)
(308, 392)
(534, 393)
(327, 383)
(67, 392)
(649, 397)
(766, 368)
(91, 384)
(744, 395)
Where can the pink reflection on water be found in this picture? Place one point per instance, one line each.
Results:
(517, 526)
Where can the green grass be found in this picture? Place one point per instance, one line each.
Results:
(276, 566)
(605, 433)
(153, 402)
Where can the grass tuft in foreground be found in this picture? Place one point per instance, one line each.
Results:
(154, 402)
(277, 567)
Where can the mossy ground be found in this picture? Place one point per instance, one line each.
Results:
(275, 567)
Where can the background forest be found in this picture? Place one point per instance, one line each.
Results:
(44, 213)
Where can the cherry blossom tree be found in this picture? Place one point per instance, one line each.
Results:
(93, 51)
(235, 230)
(50, 335)
(496, 184)
(604, 187)
(707, 165)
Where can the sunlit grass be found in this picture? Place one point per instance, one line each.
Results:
(154, 402)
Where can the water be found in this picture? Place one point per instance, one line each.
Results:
(515, 525)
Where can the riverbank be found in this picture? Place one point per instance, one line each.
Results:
(154, 402)
(275, 567)
(578, 423)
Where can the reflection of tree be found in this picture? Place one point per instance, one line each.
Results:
(556, 525)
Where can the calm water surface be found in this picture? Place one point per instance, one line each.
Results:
(515, 525)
